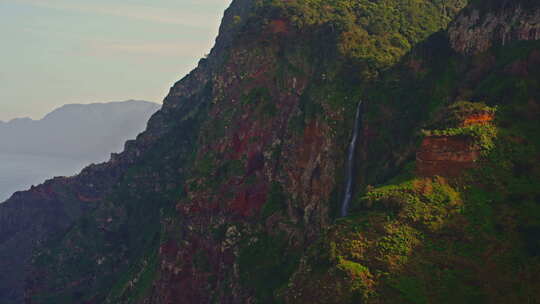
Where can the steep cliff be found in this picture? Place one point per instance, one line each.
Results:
(460, 222)
(488, 23)
(233, 192)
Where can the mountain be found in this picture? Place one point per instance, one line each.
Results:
(66, 140)
(233, 192)
(82, 131)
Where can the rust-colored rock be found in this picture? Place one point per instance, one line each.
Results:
(278, 26)
(479, 119)
(446, 155)
(449, 156)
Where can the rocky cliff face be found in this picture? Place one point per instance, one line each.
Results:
(31, 217)
(450, 152)
(231, 195)
(478, 29)
(446, 155)
(60, 202)
(422, 236)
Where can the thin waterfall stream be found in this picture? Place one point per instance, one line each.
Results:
(350, 162)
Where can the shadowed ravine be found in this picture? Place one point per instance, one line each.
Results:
(350, 162)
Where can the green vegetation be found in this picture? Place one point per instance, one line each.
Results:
(412, 289)
(266, 263)
(423, 202)
(276, 201)
(483, 135)
(409, 239)
(255, 96)
(433, 240)
(377, 33)
(457, 113)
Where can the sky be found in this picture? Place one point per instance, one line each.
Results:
(55, 52)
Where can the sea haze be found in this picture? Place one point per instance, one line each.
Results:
(19, 172)
(66, 140)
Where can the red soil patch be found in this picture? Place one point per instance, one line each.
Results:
(255, 163)
(523, 67)
(169, 249)
(278, 26)
(416, 66)
(249, 201)
(478, 119)
(313, 140)
(86, 199)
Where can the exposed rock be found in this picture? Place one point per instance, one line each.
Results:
(451, 155)
(446, 155)
(478, 119)
(476, 30)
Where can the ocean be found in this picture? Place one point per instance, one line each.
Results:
(20, 172)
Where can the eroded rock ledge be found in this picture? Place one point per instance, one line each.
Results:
(450, 154)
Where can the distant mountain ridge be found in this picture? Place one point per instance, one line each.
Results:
(81, 131)
(65, 140)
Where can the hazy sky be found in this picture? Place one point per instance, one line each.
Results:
(55, 52)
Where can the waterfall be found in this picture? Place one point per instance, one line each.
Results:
(350, 162)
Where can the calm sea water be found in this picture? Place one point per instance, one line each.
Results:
(20, 172)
